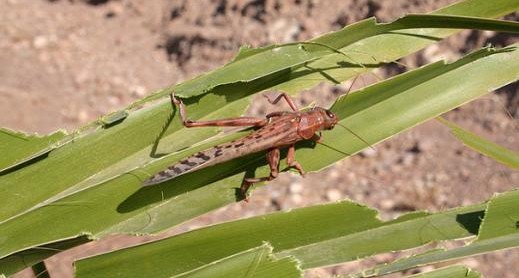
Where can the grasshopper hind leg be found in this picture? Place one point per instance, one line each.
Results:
(239, 121)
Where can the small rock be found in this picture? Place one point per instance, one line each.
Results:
(117, 80)
(426, 145)
(471, 262)
(117, 8)
(113, 100)
(369, 152)
(284, 31)
(275, 194)
(83, 116)
(385, 258)
(297, 199)
(138, 91)
(359, 197)
(333, 195)
(408, 159)
(40, 42)
(387, 204)
(292, 32)
(334, 173)
(295, 188)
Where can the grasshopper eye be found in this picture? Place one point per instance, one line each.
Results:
(330, 114)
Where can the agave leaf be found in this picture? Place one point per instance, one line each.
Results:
(92, 184)
(255, 262)
(455, 271)
(409, 92)
(283, 230)
(370, 105)
(498, 153)
(498, 231)
(18, 148)
(324, 235)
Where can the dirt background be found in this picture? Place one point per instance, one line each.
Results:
(65, 63)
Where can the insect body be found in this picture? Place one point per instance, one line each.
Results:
(277, 130)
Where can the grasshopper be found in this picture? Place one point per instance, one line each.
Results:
(277, 130)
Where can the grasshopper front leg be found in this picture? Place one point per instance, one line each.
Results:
(239, 121)
(287, 98)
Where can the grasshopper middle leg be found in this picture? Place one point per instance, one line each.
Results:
(273, 159)
(284, 96)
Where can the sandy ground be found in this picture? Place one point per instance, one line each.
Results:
(65, 63)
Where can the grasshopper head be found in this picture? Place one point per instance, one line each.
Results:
(330, 119)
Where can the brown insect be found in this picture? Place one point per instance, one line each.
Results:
(277, 130)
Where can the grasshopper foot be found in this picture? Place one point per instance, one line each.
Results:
(299, 168)
(242, 192)
(175, 100)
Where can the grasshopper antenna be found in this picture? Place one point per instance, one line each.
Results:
(333, 148)
(358, 137)
(345, 127)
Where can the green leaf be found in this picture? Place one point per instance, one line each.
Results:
(502, 217)
(284, 230)
(112, 191)
(92, 183)
(498, 153)
(455, 271)
(27, 258)
(400, 234)
(324, 235)
(476, 248)
(18, 148)
(255, 262)
(499, 230)
(359, 43)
